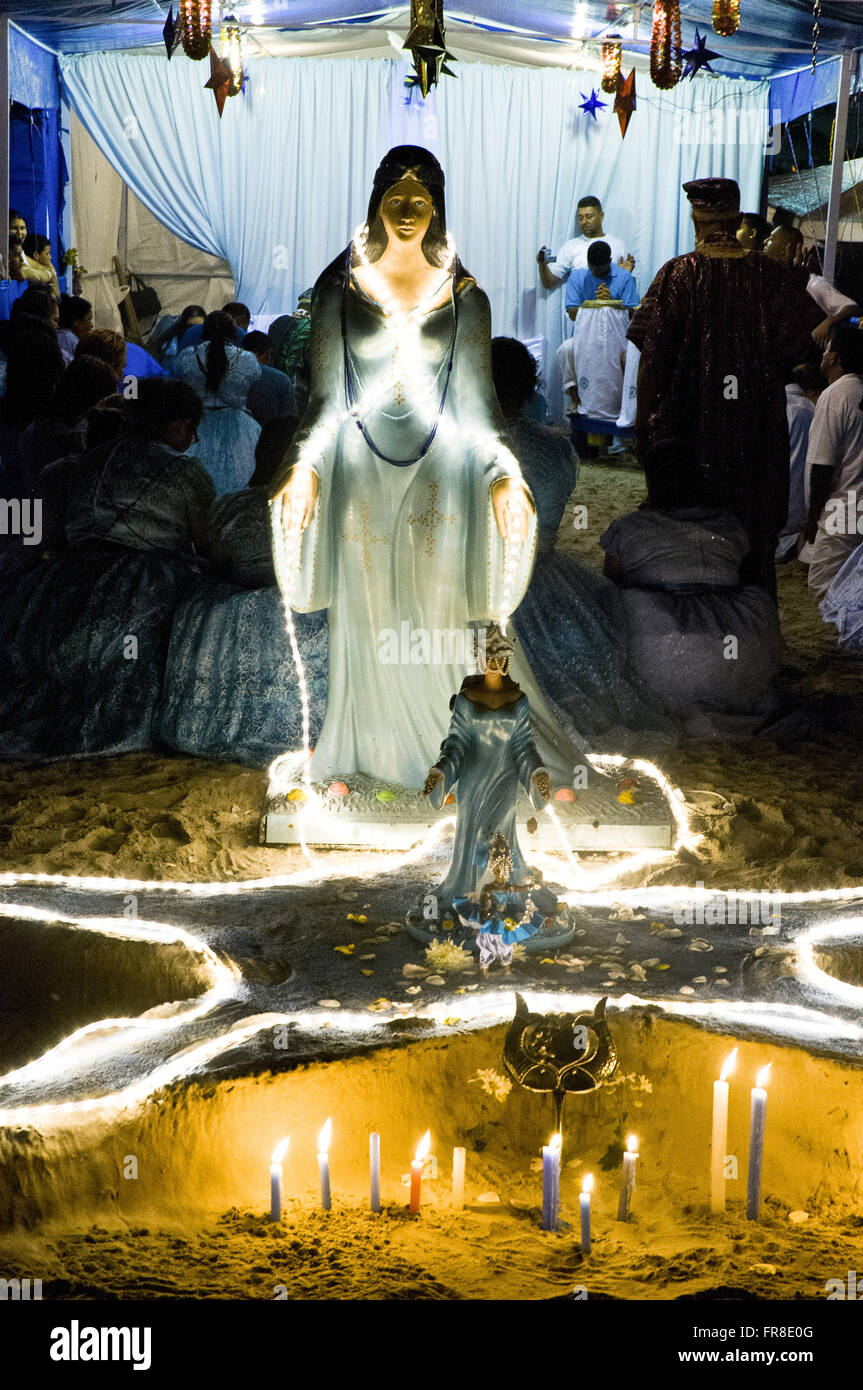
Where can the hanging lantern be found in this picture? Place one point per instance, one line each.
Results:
(665, 67)
(232, 54)
(726, 17)
(612, 50)
(196, 28)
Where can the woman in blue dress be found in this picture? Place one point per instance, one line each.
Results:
(570, 623)
(222, 374)
(231, 688)
(84, 637)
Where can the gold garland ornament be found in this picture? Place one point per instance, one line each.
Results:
(232, 54)
(726, 17)
(426, 42)
(612, 51)
(196, 28)
(665, 63)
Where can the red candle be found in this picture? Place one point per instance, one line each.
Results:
(417, 1171)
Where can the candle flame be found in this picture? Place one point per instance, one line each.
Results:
(280, 1150)
(761, 1078)
(632, 1144)
(555, 1143)
(728, 1065)
(587, 1183)
(324, 1137)
(423, 1147)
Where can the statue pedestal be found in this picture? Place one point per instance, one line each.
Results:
(376, 815)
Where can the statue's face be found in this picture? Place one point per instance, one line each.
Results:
(406, 210)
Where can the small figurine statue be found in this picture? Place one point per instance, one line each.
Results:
(489, 750)
(500, 914)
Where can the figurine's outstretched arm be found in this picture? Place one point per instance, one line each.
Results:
(531, 772)
(453, 752)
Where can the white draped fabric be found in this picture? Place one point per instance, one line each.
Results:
(277, 186)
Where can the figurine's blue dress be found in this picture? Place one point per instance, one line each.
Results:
(227, 434)
(231, 688)
(488, 753)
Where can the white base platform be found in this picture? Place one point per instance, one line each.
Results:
(594, 820)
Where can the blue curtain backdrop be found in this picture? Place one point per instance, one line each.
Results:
(37, 169)
(278, 184)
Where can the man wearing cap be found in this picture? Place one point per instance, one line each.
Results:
(719, 331)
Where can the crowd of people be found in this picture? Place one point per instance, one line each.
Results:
(139, 604)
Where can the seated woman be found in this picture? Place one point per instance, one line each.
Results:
(570, 622)
(76, 321)
(222, 374)
(165, 342)
(62, 431)
(230, 686)
(707, 646)
(84, 637)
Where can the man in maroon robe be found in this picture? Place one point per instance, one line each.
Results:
(719, 332)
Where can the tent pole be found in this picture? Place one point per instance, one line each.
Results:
(5, 119)
(839, 132)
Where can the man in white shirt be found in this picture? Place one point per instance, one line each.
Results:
(573, 254)
(786, 244)
(834, 460)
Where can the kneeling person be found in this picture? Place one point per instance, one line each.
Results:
(600, 300)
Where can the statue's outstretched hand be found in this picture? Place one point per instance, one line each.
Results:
(434, 778)
(512, 508)
(628, 262)
(298, 497)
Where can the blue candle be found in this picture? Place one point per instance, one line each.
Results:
(584, 1205)
(550, 1183)
(757, 1119)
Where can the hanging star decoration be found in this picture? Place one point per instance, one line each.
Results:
(220, 80)
(624, 102)
(698, 57)
(426, 42)
(590, 105)
(171, 33)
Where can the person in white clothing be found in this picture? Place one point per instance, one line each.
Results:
(786, 244)
(835, 460)
(573, 254)
(801, 399)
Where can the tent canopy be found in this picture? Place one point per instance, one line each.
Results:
(775, 35)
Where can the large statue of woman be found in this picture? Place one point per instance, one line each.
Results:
(399, 507)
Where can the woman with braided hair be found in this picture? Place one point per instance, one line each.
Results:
(222, 375)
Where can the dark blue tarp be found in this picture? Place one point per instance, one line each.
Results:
(37, 168)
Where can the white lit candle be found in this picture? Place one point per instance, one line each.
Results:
(417, 1171)
(550, 1182)
(458, 1160)
(324, 1164)
(627, 1186)
(757, 1118)
(584, 1204)
(276, 1179)
(719, 1135)
(375, 1171)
